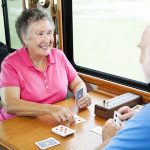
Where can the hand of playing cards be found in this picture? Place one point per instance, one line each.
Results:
(82, 100)
(116, 120)
(110, 128)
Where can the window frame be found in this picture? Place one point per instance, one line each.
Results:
(6, 26)
(67, 21)
(6, 22)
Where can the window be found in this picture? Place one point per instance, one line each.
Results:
(14, 9)
(105, 36)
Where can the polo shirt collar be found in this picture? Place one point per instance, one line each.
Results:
(26, 61)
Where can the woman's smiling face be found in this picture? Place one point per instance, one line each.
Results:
(39, 38)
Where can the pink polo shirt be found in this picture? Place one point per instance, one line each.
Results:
(48, 87)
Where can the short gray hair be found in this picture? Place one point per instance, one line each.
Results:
(29, 16)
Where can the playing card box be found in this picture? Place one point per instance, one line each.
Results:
(63, 130)
(105, 109)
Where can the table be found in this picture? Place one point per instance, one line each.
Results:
(21, 133)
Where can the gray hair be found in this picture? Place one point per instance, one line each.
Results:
(29, 16)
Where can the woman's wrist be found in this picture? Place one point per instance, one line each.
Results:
(47, 108)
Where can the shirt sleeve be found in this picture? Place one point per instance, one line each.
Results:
(8, 76)
(134, 135)
(71, 72)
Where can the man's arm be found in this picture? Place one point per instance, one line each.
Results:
(135, 133)
(104, 144)
(109, 129)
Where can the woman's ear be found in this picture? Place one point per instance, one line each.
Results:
(24, 39)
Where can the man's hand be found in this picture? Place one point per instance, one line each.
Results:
(84, 101)
(126, 113)
(109, 130)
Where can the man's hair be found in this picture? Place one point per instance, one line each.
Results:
(29, 16)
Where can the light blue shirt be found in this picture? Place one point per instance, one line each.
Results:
(135, 135)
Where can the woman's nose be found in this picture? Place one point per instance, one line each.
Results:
(47, 38)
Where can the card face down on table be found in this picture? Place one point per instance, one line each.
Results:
(50, 142)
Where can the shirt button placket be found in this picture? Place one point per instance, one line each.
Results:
(45, 81)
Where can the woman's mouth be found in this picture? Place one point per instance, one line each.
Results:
(44, 47)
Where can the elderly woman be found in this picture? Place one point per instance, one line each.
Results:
(37, 75)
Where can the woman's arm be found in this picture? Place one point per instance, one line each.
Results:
(13, 104)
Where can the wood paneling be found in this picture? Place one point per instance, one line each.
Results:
(114, 88)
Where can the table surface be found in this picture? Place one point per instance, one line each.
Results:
(21, 133)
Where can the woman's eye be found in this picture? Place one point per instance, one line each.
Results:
(49, 33)
(39, 33)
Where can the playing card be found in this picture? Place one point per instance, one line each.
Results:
(97, 130)
(63, 130)
(79, 94)
(75, 109)
(137, 108)
(78, 119)
(116, 119)
(44, 144)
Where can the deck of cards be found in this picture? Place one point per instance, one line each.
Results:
(137, 108)
(116, 120)
(47, 143)
(63, 130)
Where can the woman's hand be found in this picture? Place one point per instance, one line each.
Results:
(76, 85)
(126, 113)
(84, 101)
(61, 114)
